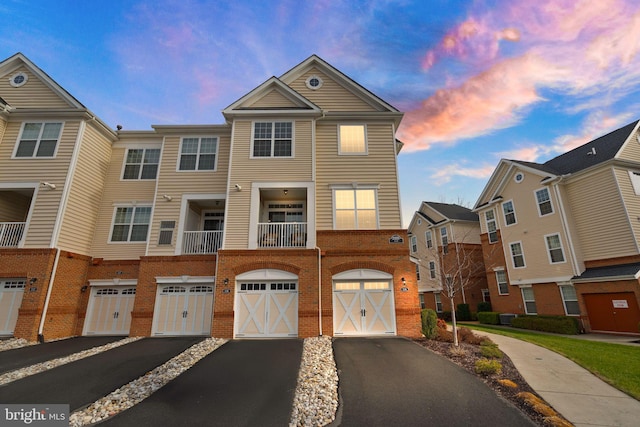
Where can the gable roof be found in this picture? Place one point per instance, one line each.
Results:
(453, 212)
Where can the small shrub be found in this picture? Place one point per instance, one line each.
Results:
(555, 324)
(463, 312)
(507, 383)
(444, 335)
(489, 317)
(490, 350)
(429, 323)
(484, 306)
(488, 366)
(442, 324)
(467, 335)
(445, 315)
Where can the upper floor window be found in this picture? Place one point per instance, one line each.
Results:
(445, 239)
(141, 163)
(554, 246)
(131, 224)
(544, 201)
(273, 139)
(432, 269)
(355, 209)
(509, 213)
(414, 244)
(501, 280)
(418, 271)
(429, 238)
(38, 140)
(490, 218)
(517, 255)
(198, 154)
(352, 139)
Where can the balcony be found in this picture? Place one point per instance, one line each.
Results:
(201, 242)
(282, 235)
(11, 234)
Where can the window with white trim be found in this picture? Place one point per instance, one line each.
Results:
(492, 228)
(570, 300)
(272, 139)
(38, 139)
(131, 224)
(503, 284)
(438, 302)
(421, 296)
(509, 213)
(352, 139)
(165, 237)
(418, 271)
(429, 238)
(544, 202)
(444, 238)
(486, 295)
(529, 300)
(554, 248)
(198, 153)
(414, 244)
(432, 269)
(635, 181)
(141, 163)
(517, 255)
(355, 209)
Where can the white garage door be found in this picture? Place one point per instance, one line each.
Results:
(267, 310)
(109, 311)
(183, 310)
(363, 307)
(11, 292)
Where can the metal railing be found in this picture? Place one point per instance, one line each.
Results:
(201, 242)
(11, 234)
(282, 235)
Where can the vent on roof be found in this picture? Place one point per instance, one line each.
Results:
(592, 152)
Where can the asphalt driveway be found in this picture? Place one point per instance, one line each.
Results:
(393, 381)
(84, 381)
(242, 383)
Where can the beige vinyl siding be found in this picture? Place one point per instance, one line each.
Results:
(424, 255)
(246, 170)
(331, 96)
(13, 206)
(33, 94)
(599, 216)
(630, 199)
(81, 212)
(175, 183)
(464, 232)
(273, 99)
(119, 192)
(630, 150)
(434, 215)
(3, 126)
(33, 170)
(377, 167)
(531, 228)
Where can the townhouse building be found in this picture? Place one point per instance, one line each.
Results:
(568, 233)
(283, 221)
(445, 246)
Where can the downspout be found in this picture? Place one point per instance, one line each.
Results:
(319, 290)
(46, 301)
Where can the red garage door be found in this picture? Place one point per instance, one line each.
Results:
(616, 312)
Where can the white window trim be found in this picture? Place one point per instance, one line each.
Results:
(215, 165)
(634, 176)
(498, 282)
(124, 163)
(564, 302)
(33, 157)
(113, 223)
(293, 139)
(414, 244)
(546, 244)
(535, 197)
(504, 216)
(433, 272)
(428, 241)
(355, 187)
(486, 222)
(524, 302)
(438, 300)
(366, 140)
(445, 247)
(524, 261)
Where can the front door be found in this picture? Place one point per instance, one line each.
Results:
(363, 308)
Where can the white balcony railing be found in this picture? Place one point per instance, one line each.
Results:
(282, 235)
(201, 242)
(11, 234)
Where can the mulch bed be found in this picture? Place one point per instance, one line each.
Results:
(467, 357)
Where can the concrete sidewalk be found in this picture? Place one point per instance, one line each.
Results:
(574, 392)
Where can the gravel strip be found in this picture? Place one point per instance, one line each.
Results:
(316, 399)
(138, 390)
(41, 367)
(12, 343)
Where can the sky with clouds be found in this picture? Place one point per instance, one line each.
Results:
(478, 80)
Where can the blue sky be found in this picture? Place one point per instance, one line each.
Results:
(478, 80)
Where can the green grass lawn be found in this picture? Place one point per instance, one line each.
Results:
(617, 364)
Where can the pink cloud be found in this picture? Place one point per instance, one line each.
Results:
(446, 173)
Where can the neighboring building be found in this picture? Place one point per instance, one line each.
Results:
(568, 232)
(282, 222)
(444, 242)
